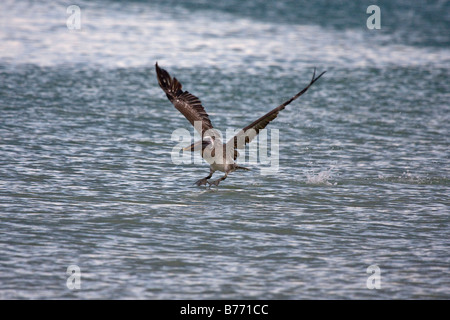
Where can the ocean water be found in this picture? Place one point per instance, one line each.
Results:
(87, 177)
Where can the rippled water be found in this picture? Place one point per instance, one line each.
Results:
(87, 179)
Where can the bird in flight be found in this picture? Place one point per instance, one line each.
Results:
(221, 157)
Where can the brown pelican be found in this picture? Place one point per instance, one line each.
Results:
(221, 157)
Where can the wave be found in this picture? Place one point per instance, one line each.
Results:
(138, 34)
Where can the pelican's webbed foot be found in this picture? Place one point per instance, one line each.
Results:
(201, 182)
(216, 182)
(204, 181)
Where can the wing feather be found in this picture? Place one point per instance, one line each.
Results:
(188, 104)
(247, 134)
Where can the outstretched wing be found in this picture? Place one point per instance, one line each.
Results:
(247, 134)
(188, 104)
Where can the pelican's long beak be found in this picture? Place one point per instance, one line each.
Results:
(196, 146)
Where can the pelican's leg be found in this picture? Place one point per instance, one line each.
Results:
(203, 181)
(216, 182)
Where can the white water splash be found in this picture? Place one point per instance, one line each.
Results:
(320, 178)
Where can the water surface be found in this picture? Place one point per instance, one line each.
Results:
(86, 176)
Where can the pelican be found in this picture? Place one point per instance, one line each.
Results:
(221, 157)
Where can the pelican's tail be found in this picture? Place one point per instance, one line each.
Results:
(241, 168)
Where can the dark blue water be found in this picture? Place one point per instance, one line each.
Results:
(87, 178)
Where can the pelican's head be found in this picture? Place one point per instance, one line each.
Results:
(206, 142)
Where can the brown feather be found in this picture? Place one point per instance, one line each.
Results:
(188, 104)
(263, 121)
